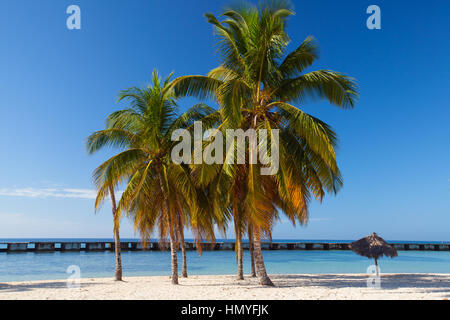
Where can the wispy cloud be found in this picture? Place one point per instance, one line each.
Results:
(49, 193)
(38, 225)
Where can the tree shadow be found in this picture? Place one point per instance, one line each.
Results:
(427, 282)
(22, 287)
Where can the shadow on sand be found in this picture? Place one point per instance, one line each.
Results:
(428, 282)
(21, 287)
(388, 281)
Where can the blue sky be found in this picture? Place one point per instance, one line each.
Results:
(57, 86)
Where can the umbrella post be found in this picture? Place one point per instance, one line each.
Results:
(376, 267)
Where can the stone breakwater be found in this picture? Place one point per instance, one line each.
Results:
(159, 246)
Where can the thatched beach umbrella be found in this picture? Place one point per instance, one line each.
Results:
(373, 247)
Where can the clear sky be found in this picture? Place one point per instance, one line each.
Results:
(57, 86)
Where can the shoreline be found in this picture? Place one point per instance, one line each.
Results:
(111, 276)
(226, 287)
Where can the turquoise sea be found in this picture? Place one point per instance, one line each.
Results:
(46, 266)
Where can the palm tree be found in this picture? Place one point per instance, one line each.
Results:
(104, 181)
(257, 86)
(159, 193)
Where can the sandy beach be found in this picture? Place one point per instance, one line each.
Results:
(293, 287)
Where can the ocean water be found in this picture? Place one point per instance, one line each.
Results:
(47, 266)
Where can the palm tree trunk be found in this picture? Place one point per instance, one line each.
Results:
(117, 251)
(173, 255)
(183, 251)
(240, 259)
(181, 237)
(171, 226)
(250, 249)
(259, 261)
(238, 233)
(376, 268)
(239, 252)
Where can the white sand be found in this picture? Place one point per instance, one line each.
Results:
(307, 286)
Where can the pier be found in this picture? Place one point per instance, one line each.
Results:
(207, 246)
